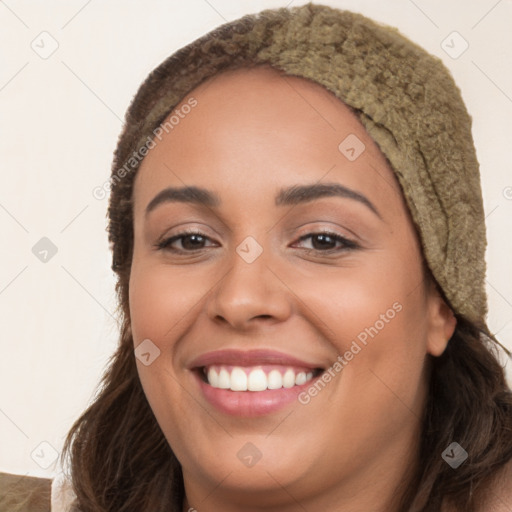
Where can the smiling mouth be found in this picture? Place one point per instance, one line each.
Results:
(256, 378)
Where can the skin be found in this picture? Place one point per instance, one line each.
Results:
(252, 133)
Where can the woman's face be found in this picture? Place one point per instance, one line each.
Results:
(259, 297)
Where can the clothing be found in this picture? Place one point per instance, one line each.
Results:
(22, 493)
(406, 99)
(62, 495)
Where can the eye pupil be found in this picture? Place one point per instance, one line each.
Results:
(197, 240)
(322, 238)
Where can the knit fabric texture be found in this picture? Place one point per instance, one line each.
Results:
(405, 98)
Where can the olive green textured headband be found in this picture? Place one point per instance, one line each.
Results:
(405, 98)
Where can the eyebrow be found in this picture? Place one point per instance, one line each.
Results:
(294, 195)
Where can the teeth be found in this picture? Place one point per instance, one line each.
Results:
(300, 378)
(238, 380)
(224, 379)
(289, 378)
(255, 379)
(275, 380)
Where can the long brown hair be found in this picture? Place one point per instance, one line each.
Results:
(118, 456)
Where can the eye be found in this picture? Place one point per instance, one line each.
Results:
(190, 240)
(325, 241)
(322, 241)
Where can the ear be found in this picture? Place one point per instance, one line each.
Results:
(441, 321)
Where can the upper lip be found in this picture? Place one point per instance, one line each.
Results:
(249, 358)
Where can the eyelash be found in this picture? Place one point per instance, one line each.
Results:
(347, 244)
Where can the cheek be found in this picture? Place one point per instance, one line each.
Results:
(383, 299)
(386, 375)
(375, 317)
(159, 301)
(381, 342)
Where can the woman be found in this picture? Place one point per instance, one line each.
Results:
(297, 228)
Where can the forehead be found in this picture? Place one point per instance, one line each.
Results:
(262, 129)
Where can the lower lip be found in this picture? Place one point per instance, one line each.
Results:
(249, 404)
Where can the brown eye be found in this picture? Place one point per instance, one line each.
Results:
(194, 241)
(190, 241)
(326, 242)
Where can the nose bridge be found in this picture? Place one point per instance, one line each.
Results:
(249, 289)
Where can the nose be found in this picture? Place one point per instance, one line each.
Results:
(249, 294)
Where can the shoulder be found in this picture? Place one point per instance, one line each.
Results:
(22, 493)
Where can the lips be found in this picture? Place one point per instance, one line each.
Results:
(254, 382)
(250, 358)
